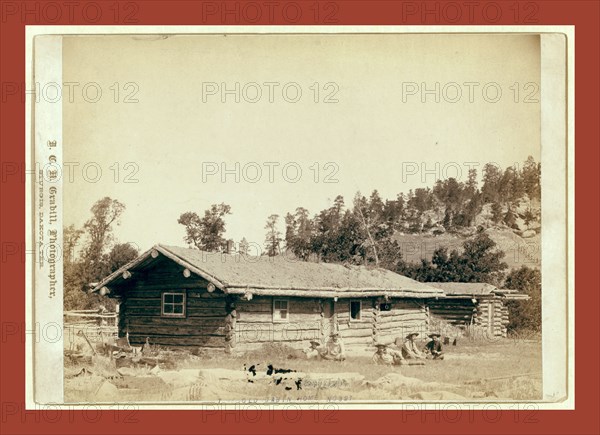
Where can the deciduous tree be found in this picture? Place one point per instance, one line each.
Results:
(206, 233)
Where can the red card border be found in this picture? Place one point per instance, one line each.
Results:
(584, 15)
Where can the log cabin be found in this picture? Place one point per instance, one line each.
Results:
(479, 307)
(186, 297)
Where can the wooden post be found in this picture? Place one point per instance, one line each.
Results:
(376, 318)
(335, 327)
(187, 273)
(323, 321)
(230, 325)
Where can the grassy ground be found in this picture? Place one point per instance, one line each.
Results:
(471, 371)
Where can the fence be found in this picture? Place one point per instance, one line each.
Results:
(96, 326)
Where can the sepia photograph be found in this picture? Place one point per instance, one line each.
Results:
(346, 218)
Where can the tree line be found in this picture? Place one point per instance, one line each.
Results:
(91, 253)
(361, 234)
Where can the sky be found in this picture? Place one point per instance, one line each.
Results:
(174, 139)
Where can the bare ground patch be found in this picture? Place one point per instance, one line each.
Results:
(504, 370)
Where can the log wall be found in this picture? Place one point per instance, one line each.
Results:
(492, 316)
(457, 312)
(216, 320)
(404, 317)
(254, 324)
(488, 315)
(355, 332)
(204, 323)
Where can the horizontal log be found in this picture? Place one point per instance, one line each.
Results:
(402, 327)
(280, 325)
(356, 324)
(191, 302)
(305, 302)
(250, 307)
(449, 318)
(402, 318)
(140, 311)
(246, 336)
(176, 330)
(268, 317)
(164, 340)
(406, 303)
(176, 321)
(190, 311)
(204, 294)
(141, 302)
(452, 315)
(194, 290)
(293, 309)
(290, 330)
(401, 313)
(466, 312)
(356, 333)
(460, 322)
(180, 283)
(398, 313)
(451, 308)
(331, 294)
(262, 300)
(452, 303)
(205, 312)
(265, 317)
(400, 322)
(219, 303)
(364, 317)
(147, 293)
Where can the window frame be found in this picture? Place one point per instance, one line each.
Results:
(277, 310)
(359, 319)
(183, 304)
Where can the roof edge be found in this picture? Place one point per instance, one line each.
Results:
(170, 255)
(120, 270)
(202, 273)
(353, 294)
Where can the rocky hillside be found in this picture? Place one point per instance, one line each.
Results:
(521, 242)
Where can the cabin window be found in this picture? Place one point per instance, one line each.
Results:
(173, 305)
(280, 310)
(355, 310)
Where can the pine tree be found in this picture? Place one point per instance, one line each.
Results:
(273, 236)
(496, 212)
(525, 315)
(244, 246)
